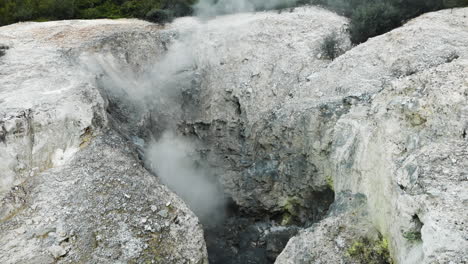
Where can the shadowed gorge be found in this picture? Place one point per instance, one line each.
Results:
(155, 107)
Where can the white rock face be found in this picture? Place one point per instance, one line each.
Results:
(48, 106)
(402, 143)
(253, 64)
(377, 121)
(80, 193)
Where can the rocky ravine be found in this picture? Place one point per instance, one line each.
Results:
(381, 130)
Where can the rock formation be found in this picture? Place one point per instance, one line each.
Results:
(401, 141)
(366, 153)
(73, 190)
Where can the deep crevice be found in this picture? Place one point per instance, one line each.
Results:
(245, 235)
(258, 237)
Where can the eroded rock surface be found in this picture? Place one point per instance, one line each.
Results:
(362, 123)
(73, 190)
(255, 61)
(401, 140)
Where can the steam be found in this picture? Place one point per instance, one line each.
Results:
(209, 8)
(175, 160)
(158, 89)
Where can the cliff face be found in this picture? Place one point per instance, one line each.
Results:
(381, 131)
(400, 143)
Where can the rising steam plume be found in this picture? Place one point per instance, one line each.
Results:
(174, 159)
(158, 88)
(208, 8)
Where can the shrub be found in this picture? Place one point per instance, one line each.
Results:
(159, 16)
(330, 47)
(367, 251)
(179, 8)
(105, 10)
(412, 235)
(61, 9)
(368, 17)
(139, 8)
(330, 183)
(3, 48)
(454, 3)
(372, 19)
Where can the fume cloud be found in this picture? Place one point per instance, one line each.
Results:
(175, 160)
(158, 89)
(208, 8)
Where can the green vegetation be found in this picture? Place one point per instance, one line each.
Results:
(367, 251)
(370, 18)
(12, 11)
(331, 49)
(287, 219)
(3, 49)
(329, 179)
(290, 211)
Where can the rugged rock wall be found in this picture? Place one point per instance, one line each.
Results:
(80, 192)
(235, 73)
(254, 65)
(402, 140)
(372, 122)
(381, 130)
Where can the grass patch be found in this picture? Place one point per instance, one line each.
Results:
(368, 251)
(330, 183)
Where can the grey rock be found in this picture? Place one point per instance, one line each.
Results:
(233, 107)
(396, 140)
(57, 251)
(328, 240)
(163, 213)
(65, 175)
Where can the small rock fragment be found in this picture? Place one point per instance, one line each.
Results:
(163, 213)
(57, 251)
